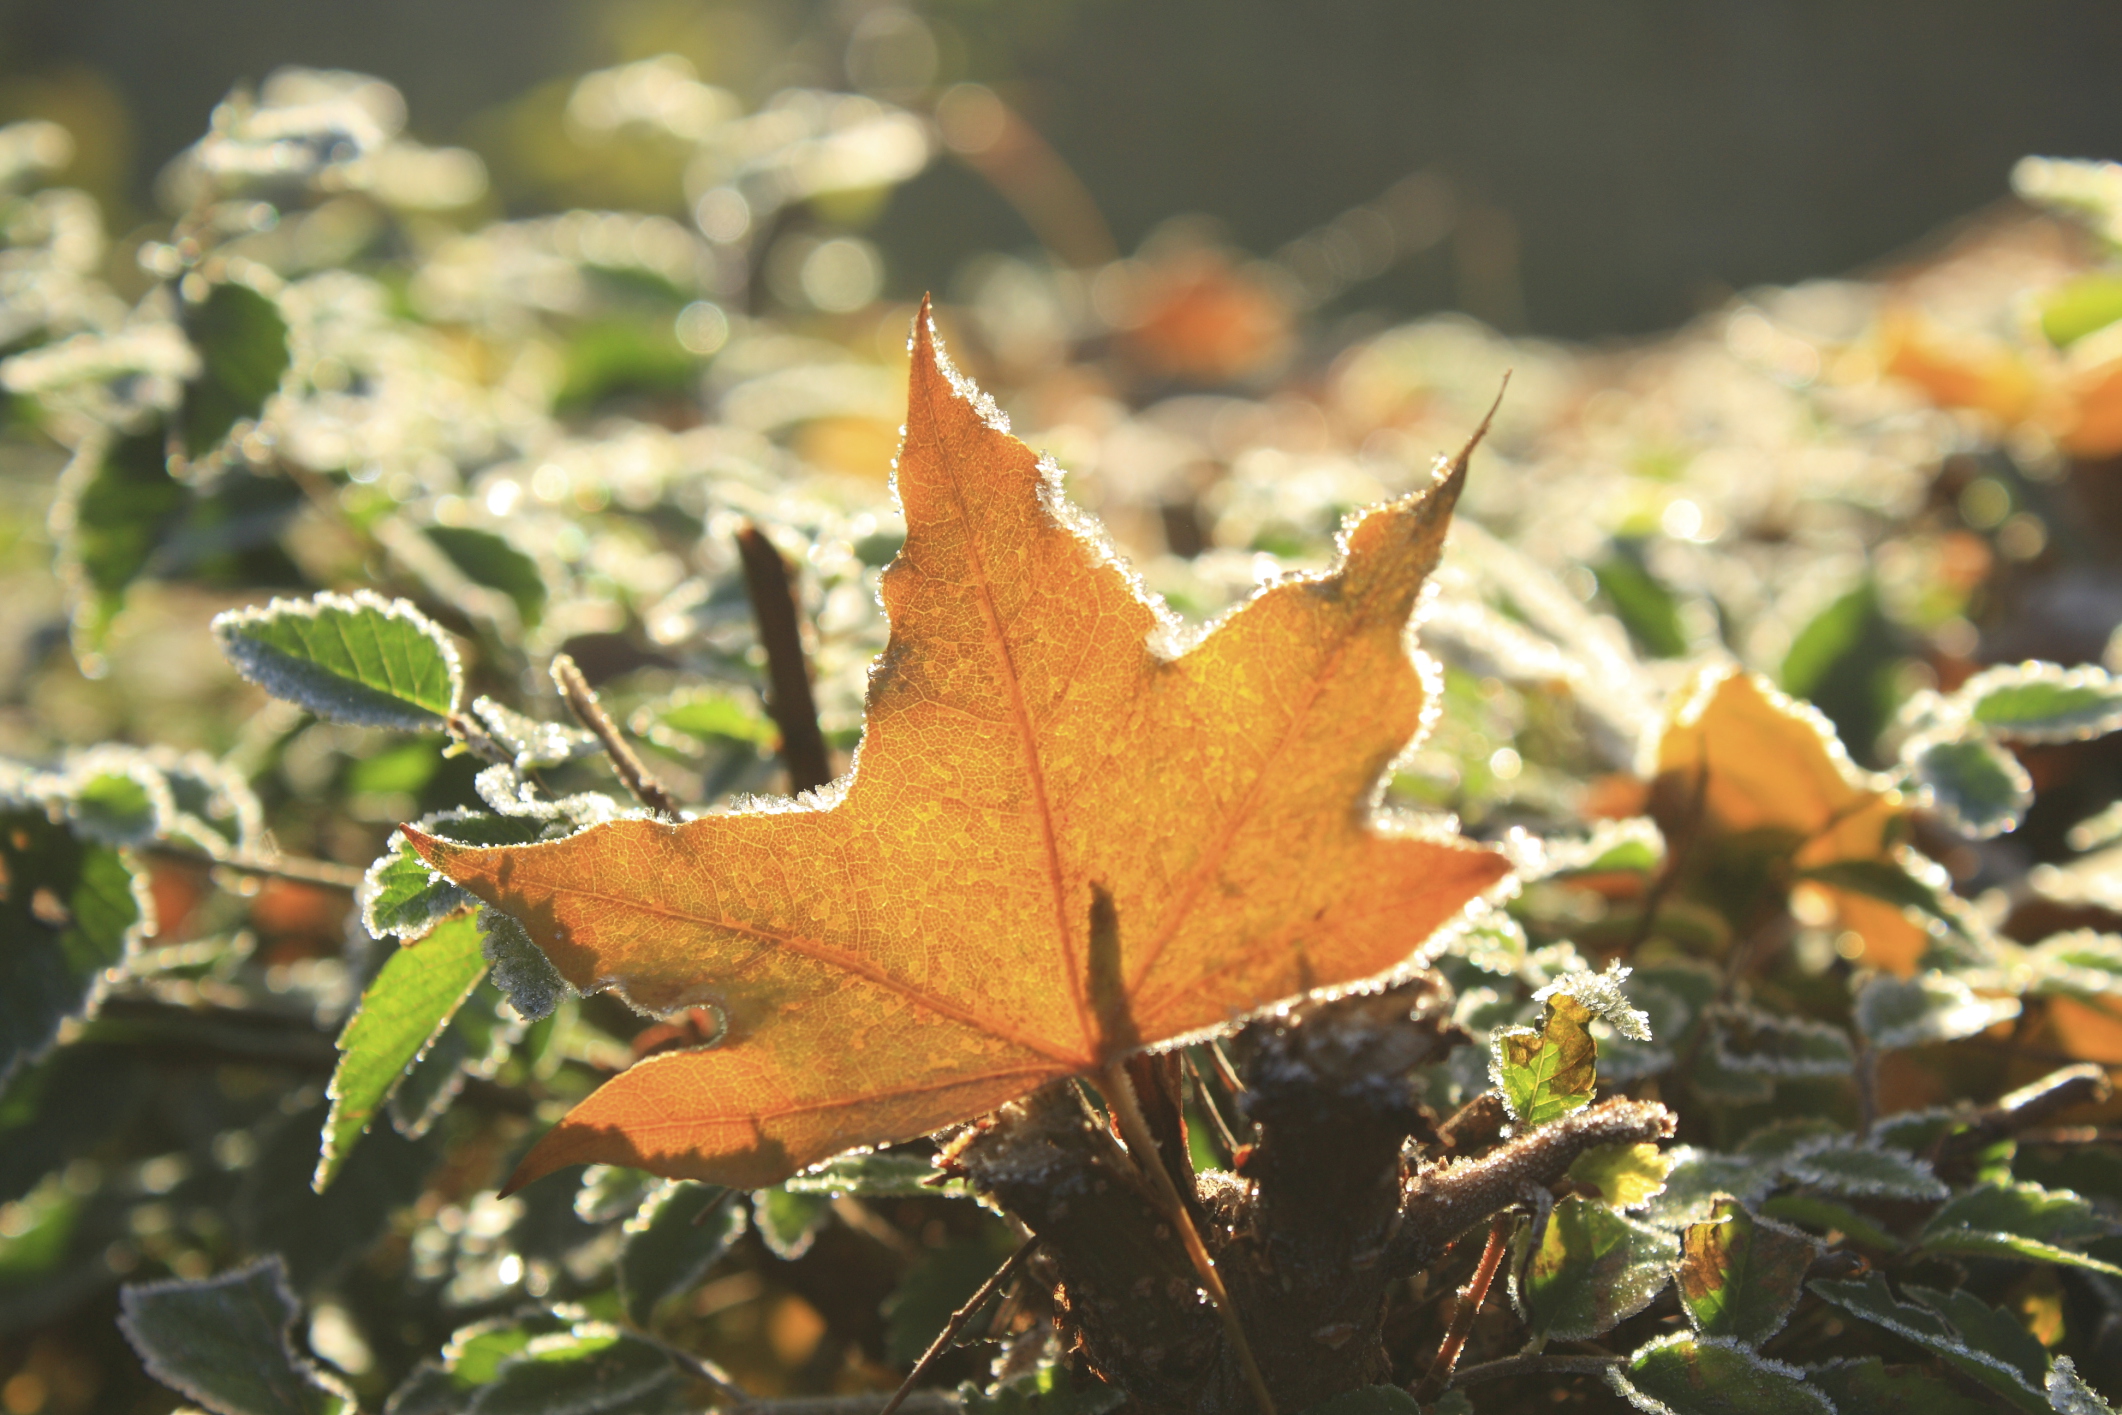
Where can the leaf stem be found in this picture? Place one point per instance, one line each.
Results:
(790, 704)
(582, 702)
(1120, 1096)
(949, 1335)
(1471, 1298)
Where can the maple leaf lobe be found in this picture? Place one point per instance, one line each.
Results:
(1058, 844)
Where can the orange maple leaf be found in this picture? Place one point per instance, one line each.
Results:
(1061, 842)
(1774, 766)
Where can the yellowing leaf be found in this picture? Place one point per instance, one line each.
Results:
(1624, 1176)
(1063, 840)
(1773, 767)
(1550, 1072)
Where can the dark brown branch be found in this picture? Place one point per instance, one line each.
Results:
(948, 1337)
(789, 701)
(582, 702)
(1471, 1299)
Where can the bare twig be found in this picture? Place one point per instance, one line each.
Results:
(1119, 1094)
(292, 867)
(789, 703)
(1535, 1366)
(949, 1335)
(582, 702)
(1471, 1298)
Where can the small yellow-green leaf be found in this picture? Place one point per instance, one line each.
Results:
(1595, 1269)
(1550, 1072)
(1623, 1176)
(1740, 1275)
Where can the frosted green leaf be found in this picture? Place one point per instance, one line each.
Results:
(877, 1176)
(473, 1044)
(1841, 1222)
(1752, 1042)
(2042, 702)
(241, 339)
(404, 1010)
(1871, 1387)
(2020, 1220)
(692, 720)
(1550, 1072)
(402, 897)
(2010, 1367)
(1975, 786)
(71, 910)
(225, 1342)
(788, 1222)
(1602, 994)
(611, 1191)
(1741, 1275)
(592, 1369)
(1622, 1176)
(1685, 1374)
(535, 744)
(356, 658)
(2070, 1395)
(1932, 1007)
(1595, 1269)
(488, 559)
(1699, 1178)
(1863, 1172)
(679, 1231)
(532, 984)
(115, 506)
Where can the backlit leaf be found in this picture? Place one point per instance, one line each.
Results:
(1974, 785)
(679, 1231)
(1622, 1176)
(2020, 1220)
(591, 1369)
(2041, 702)
(876, 1176)
(401, 896)
(356, 658)
(242, 343)
(1685, 1374)
(788, 1222)
(2011, 1371)
(1063, 842)
(1740, 1275)
(225, 1343)
(116, 503)
(1595, 1269)
(1935, 1007)
(1862, 1171)
(1550, 1072)
(404, 1010)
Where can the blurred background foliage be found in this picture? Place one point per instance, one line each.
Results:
(525, 330)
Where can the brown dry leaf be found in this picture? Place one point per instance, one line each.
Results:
(1061, 843)
(1776, 767)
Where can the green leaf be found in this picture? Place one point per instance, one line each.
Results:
(488, 559)
(1752, 1042)
(1684, 1374)
(2080, 307)
(1643, 604)
(1550, 1072)
(275, 1210)
(1700, 1177)
(887, 1175)
(1595, 1269)
(1871, 1387)
(356, 658)
(707, 716)
(611, 1191)
(2011, 1370)
(1975, 786)
(242, 344)
(473, 1358)
(2041, 702)
(2070, 1395)
(2020, 1220)
(524, 974)
(938, 1283)
(1741, 1275)
(1893, 1013)
(1864, 1172)
(789, 1223)
(116, 503)
(536, 744)
(1882, 880)
(1367, 1400)
(70, 911)
(404, 1010)
(474, 1043)
(225, 1343)
(593, 1369)
(1830, 1217)
(1055, 1390)
(1622, 1176)
(402, 897)
(669, 1245)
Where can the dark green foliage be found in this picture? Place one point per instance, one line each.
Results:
(225, 1342)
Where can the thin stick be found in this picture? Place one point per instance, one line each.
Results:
(1134, 1128)
(1225, 1137)
(790, 704)
(1535, 1366)
(582, 702)
(949, 1335)
(1471, 1297)
(293, 867)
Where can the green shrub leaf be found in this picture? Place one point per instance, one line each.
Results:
(1550, 1072)
(356, 658)
(1893, 1013)
(2020, 1220)
(225, 1342)
(1864, 1172)
(404, 1010)
(1974, 785)
(2070, 1395)
(680, 1229)
(2041, 702)
(1998, 1352)
(488, 559)
(1685, 1374)
(1740, 1275)
(591, 1369)
(886, 1175)
(116, 504)
(1595, 1269)
(1871, 1387)
(788, 1222)
(242, 344)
